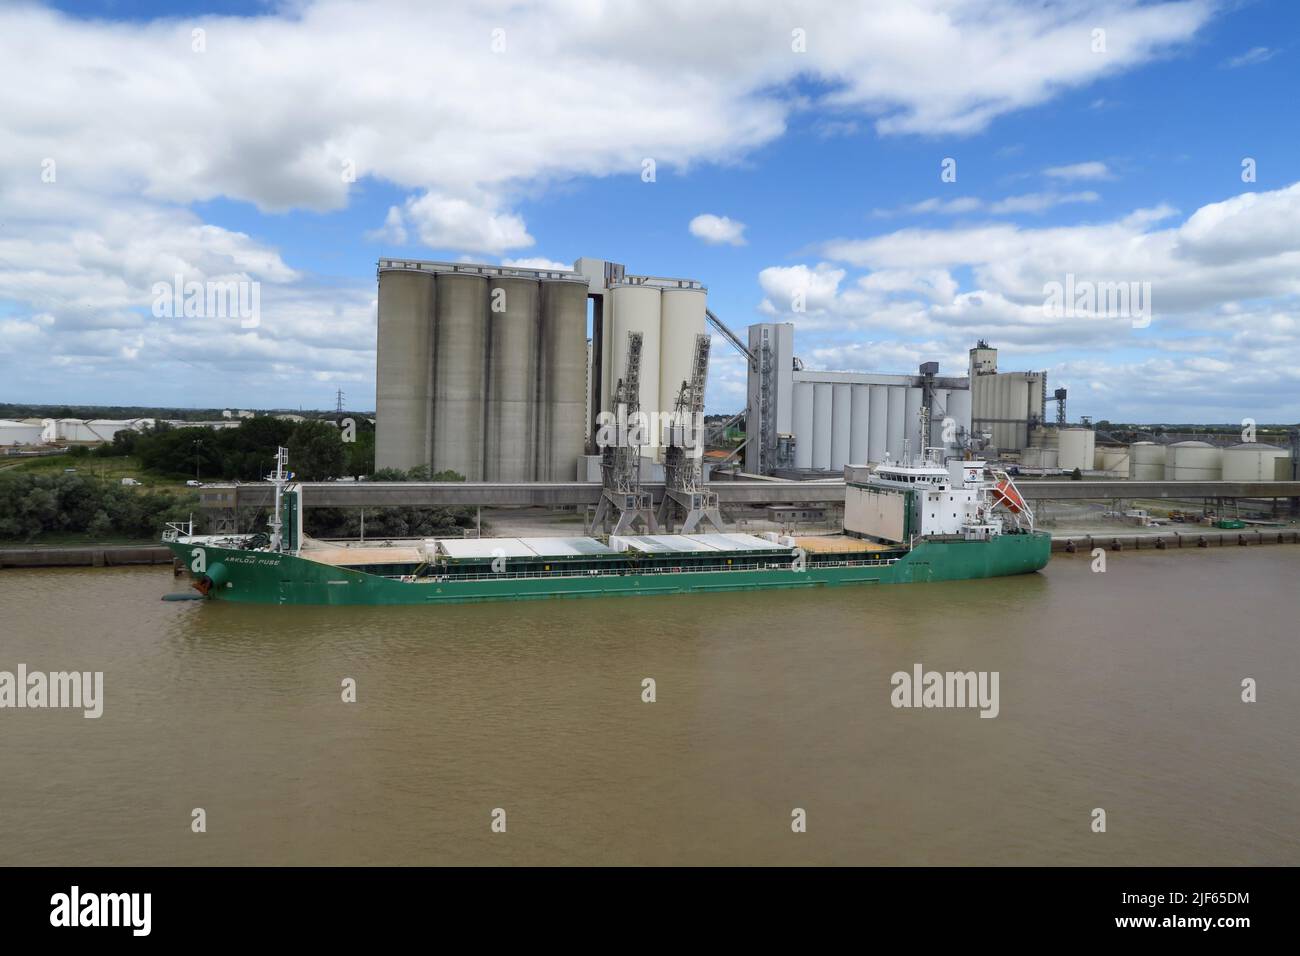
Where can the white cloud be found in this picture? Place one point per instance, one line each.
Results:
(538, 262)
(1225, 290)
(1259, 54)
(1025, 203)
(718, 230)
(1089, 170)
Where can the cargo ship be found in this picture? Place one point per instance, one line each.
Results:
(910, 521)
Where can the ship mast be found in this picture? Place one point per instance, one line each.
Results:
(280, 477)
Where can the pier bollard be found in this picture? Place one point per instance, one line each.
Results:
(1115, 545)
(1160, 544)
(1241, 540)
(1201, 542)
(1070, 548)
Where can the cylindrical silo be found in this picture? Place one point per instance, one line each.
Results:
(681, 313)
(938, 411)
(510, 416)
(860, 424)
(562, 397)
(897, 430)
(912, 413)
(1146, 461)
(404, 369)
(878, 435)
(460, 374)
(1077, 448)
(802, 414)
(636, 309)
(841, 430)
(823, 398)
(959, 409)
(1251, 461)
(1193, 461)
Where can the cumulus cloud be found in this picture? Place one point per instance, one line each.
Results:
(1224, 281)
(291, 109)
(1090, 170)
(539, 262)
(718, 230)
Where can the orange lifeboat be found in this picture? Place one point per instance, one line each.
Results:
(1005, 493)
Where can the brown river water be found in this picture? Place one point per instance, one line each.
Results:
(1120, 691)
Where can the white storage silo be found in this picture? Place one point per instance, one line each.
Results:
(1251, 461)
(562, 386)
(1193, 461)
(897, 422)
(1076, 448)
(912, 418)
(1146, 461)
(636, 309)
(802, 414)
(878, 433)
(823, 398)
(959, 409)
(681, 319)
(1112, 462)
(860, 425)
(841, 431)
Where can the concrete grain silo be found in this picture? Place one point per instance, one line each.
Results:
(636, 309)
(681, 319)
(897, 426)
(841, 425)
(823, 434)
(802, 416)
(404, 369)
(878, 434)
(860, 424)
(562, 399)
(459, 376)
(510, 414)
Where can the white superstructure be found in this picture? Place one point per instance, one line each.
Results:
(900, 501)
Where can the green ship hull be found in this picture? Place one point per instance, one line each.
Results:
(268, 577)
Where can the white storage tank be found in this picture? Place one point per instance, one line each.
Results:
(1037, 456)
(1193, 461)
(822, 426)
(1112, 462)
(860, 425)
(878, 432)
(1146, 461)
(1076, 447)
(1252, 461)
(841, 430)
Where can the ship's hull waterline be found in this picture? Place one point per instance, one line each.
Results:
(268, 577)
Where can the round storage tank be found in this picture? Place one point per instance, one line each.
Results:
(1112, 462)
(681, 319)
(459, 376)
(562, 409)
(1146, 461)
(860, 424)
(1193, 461)
(1036, 456)
(878, 433)
(404, 369)
(636, 309)
(1076, 447)
(1251, 461)
(510, 415)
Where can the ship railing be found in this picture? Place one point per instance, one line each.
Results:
(627, 572)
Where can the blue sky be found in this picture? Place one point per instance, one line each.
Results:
(1120, 164)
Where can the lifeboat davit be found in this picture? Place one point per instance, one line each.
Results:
(1005, 493)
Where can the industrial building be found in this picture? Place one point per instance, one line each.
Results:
(487, 370)
(802, 421)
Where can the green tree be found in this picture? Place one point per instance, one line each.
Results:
(316, 451)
